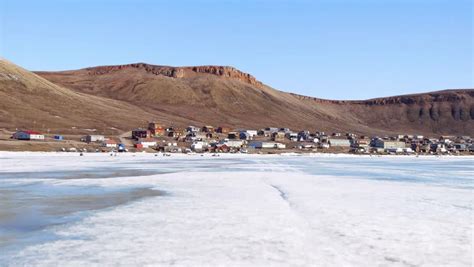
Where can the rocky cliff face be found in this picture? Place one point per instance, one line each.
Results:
(450, 105)
(228, 72)
(453, 95)
(181, 72)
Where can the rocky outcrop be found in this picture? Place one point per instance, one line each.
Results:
(181, 72)
(453, 95)
(228, 72)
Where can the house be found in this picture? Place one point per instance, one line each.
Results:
(420, 147)
(268, 131)
(388, 144)
(445, 138)
(94, 138)
(292, 136)
(146, 142)
(28, 135)
(244, 136)
(461, 147)
(190, 137)
(222, 130)
(58, 137)
(175, 132)
(233, 135)
(156, 129)
(438, 148)
(303, 136)
(252, 133)
(109, 143)
(192, 129)
(471, 148)
(351, 135)
(363, 143)
(199, 146)
(320, 133)
(221, 148)
(208, 129)
(232, 143)
(249, 133)
(336, 142)
(140, 133)
(323, 138)
(278, 136)
(170, 132)
(263, 145)
(121, 148)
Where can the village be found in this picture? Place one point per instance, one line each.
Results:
(208, 139)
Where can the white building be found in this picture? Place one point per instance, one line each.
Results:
(199, 146)
(95, 138)
(388, 144)
(193, 129)
(109, 143)
(339, 142)
(263, 145)
(233, 143)
(292, 136)
(252, 133)
(147, 142)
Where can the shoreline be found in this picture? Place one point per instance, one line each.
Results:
(231, 155)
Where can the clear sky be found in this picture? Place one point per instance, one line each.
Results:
(338, 49)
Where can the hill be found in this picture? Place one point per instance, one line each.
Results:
(126, 96)
(28, 101)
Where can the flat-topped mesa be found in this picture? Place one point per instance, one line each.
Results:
(180, 72)
(452, 95)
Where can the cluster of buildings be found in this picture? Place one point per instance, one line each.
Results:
(223, 139)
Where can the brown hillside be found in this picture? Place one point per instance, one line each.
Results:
(204, 95)
(225, 95)
(28, 101)
(125, 96)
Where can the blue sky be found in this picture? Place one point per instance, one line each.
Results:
(337, 49)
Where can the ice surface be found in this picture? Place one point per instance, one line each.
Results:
(254, 210)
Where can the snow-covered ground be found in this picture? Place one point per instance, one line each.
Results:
(247, 210)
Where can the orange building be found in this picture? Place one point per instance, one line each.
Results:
(156, 129)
